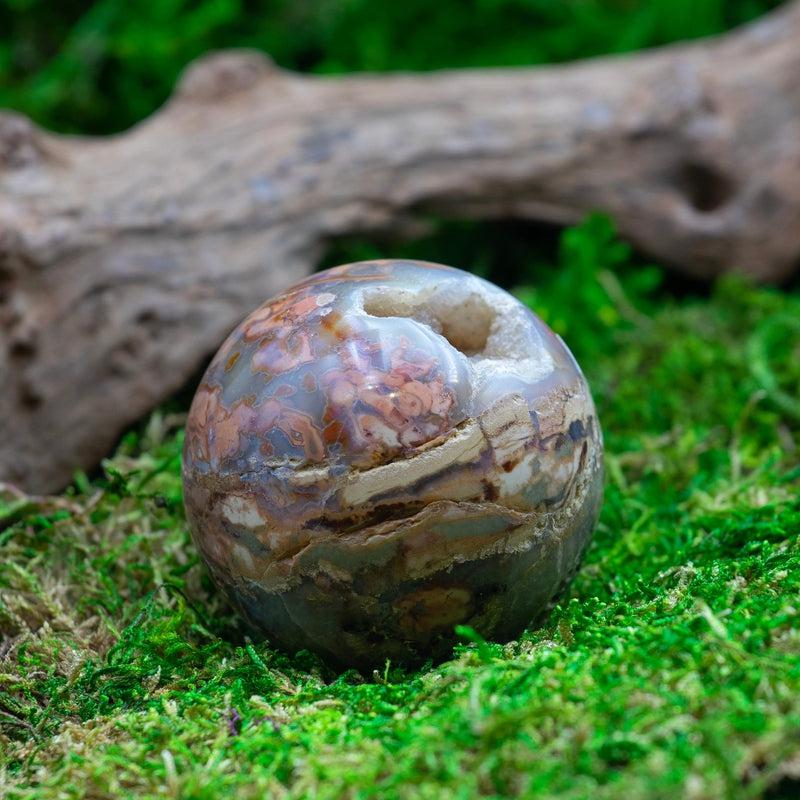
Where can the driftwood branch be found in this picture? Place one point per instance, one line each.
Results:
(124, 261)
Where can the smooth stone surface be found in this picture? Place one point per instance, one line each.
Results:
(386, 450)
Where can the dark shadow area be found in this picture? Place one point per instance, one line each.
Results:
(787, 788)
(506, 252)
(509, 253)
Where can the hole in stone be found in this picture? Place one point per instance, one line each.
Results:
(21, 349)
(707, 188)
(146, 317)
(464, 318)
(29, 398)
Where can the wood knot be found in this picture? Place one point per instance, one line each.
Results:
(20, 142)
(221, 74)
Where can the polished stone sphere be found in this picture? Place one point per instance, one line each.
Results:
(387, 450)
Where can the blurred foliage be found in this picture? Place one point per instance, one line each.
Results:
(101, 66)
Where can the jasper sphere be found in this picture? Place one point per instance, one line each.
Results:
(386, 450)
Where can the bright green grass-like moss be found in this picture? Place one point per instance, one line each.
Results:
(672, 669)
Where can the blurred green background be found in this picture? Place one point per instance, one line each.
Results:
(100, 67)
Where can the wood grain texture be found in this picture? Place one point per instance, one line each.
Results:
(125, 260)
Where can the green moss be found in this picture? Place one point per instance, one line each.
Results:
(671, 669)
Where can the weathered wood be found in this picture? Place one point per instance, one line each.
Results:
(124, 261)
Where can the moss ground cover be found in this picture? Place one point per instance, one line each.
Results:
(672, 668)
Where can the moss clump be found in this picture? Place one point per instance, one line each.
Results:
(672, 669)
